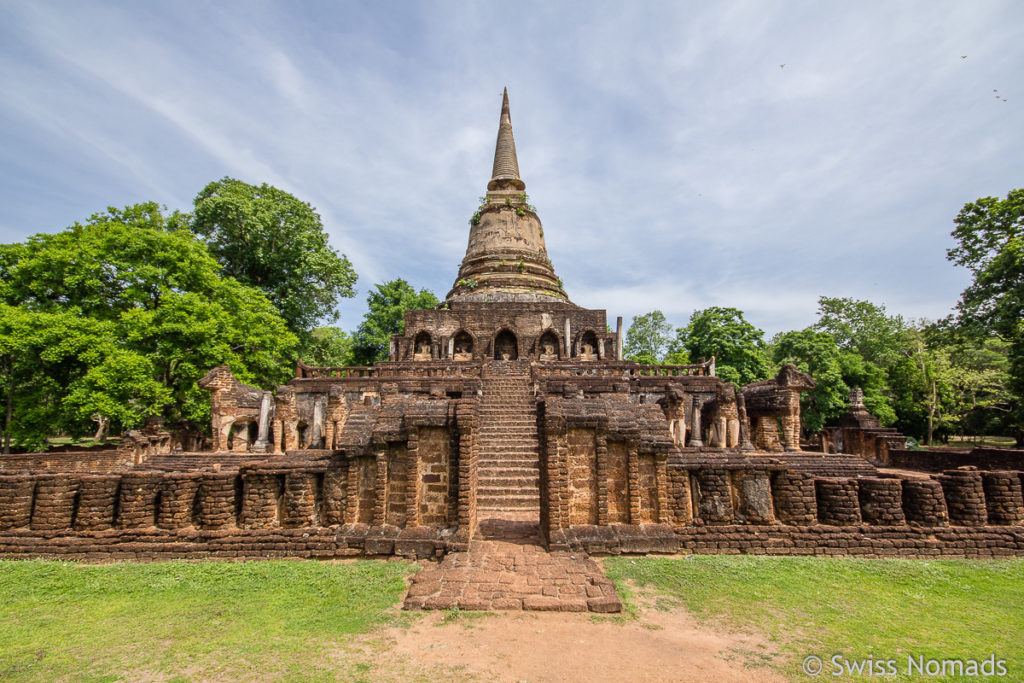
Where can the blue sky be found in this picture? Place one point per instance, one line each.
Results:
(675, 162)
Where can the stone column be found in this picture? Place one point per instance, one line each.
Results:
(316, 440)
(741, 405)
(451, 347)
(266, 408)
(618, 338)
(695, 438)
(568, 340)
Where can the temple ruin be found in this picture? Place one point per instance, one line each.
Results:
(506, 412)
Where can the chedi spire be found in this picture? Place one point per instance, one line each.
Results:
(506, 259)
(506, 165)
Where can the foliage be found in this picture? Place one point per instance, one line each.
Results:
(962, 609)
(925, 378)
(525, 205)
(990, 243)
(863, 327)
(871, 342)
(193, 620)
(738, 346)
(329, 346)
(647, 339)
(387, 304)
(815, 353)
(121, 316)
(873, 381)
(269, 239)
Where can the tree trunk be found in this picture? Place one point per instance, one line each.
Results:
(931, 414)
(101, 431)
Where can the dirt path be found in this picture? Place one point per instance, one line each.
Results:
(538, 646)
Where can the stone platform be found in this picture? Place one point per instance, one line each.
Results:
(502, 575)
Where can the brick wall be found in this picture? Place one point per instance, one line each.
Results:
(939, 460)
(67, 461)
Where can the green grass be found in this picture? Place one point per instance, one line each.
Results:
(857, 608)
(84, 442)
(201, 620)
(973, 441)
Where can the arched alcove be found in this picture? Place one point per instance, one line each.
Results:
(588, 346)
(421, 346)
(506, 346)
(462, 348)
(548, 346)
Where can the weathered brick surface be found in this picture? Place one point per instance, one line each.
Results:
(219, 499)
(139, 497)
(858, 540)
(17, 493)
(794, 497)
(965, 497)
(97, 502)
(178, 500)
(713, 495)
(753, 490)
(924, 502)
(881, 501)
(500, 575)
(838, 502)
(262, 495)
(1003, 497)
(55, 502)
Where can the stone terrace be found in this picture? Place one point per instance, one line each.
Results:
(502, 575)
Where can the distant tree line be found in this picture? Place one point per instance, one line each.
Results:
(930, 379)
(111, 322)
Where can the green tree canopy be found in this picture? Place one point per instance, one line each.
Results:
(738, 346)
(269, 239)
(648, 338)
(862, 326)
(329, 346)
(120, 317)
(990, 243)
(387, 304)
(815, 353)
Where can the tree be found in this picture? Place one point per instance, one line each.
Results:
(387, 304)
(648, 338)
(269, 239)
(119, 318)
(815, 353)
(329, 346)
(871, 343)
(738, 346)
(990, 243)
(863, 327)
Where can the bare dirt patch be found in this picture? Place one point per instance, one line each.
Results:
(661, 644)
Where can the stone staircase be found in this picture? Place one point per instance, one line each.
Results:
(508, 485)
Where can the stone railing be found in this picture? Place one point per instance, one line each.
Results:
(303, 371)
(621, 369)
(391, 369)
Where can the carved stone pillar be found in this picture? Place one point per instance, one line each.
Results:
(266, 413)
(741, 405)
(695, 437)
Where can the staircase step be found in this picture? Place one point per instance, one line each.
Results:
(505, 483)
(508, 474)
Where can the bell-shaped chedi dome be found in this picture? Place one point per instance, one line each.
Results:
(506, 259)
